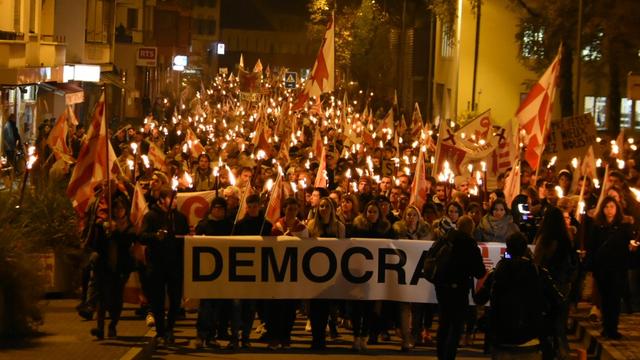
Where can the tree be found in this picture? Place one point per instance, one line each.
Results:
(609, 47)
(361, 39)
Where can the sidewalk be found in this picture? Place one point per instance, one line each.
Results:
(600, 348)
(65, 335)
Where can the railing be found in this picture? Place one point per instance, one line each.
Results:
(53, 38)
(96, 36)
(11, 35)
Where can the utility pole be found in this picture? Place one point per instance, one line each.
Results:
(475, 55)
(579, 59)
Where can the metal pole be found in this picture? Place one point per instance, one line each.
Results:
(578, 59)
(475, 56)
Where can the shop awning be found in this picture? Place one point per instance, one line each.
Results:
(114, 79)
(73, 94)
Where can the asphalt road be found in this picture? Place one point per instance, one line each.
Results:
(301, 341)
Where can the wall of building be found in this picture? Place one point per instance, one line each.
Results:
(73, 31)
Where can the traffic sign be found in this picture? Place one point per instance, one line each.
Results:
(290, 79)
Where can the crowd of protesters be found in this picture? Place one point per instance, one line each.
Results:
(531, 293)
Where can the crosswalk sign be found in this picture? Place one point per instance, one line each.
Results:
(290, 79)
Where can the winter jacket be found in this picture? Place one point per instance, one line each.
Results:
(522, 295)
(250, 225)
(608, 247)
(464, 262)
(167, 251)
(491, 229)
(423, 231)
(208, 226)
(361, 228)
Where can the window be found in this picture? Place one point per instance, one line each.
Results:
(447, 43)
(597, 106)
(532, 45)
(132, 19)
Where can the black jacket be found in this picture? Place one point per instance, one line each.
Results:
(608, 247)
(250, 225)
(165, 252)
(522, 295)
(212, 227)
(465, 261)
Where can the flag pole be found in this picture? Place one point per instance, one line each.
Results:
(106, 148)
(264, 220)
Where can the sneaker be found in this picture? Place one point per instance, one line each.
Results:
(246, 344)
(357, 345)
(232, 345)
(169, 338)
(594, 314)
(98, 333)
(150, 320)
(198, 343)
(363, 344)
(158, 342)
(385, 336)
(214, 344)
(260, 329)
(112, 333)
(274, 345)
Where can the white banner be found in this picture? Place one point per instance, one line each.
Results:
(253, 267)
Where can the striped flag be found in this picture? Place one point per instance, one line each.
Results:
(139, 208)
(322, 75)
(57, 139)
(93, 162)
(194, 143)
(272, 213)
(317, 144)
(157, 156)
(416, 122)
(321, 177)
(534, 114)
(419, 184)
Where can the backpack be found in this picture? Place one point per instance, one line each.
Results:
(437, 259)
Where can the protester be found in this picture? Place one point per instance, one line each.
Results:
(521, 295)
(211, 311)
(452, 290)
(414, 228)
(370, 224)
(325, 223)
(554, 251)
(161, 227)
(497, 225)
(609, 252)
(281, 313)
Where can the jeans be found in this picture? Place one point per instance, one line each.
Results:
(453, 303)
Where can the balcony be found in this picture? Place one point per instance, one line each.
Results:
(13, 50)
(96, 53)
(129, 36)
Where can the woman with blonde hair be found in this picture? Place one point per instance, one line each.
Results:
(324, 223)
(412, 227)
